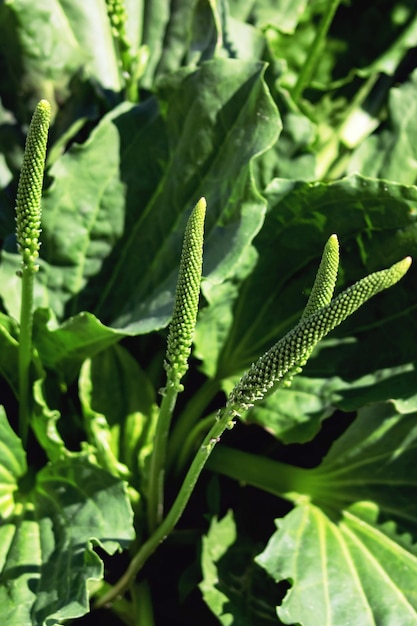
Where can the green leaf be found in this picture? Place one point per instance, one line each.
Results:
(63, 347)
(48, 58)
(9, 333)
(178, 34)
(116, 198)
(394, 29)
(352, 547)
(214, 321)
(118, 405)
(233, 587)
(219, 538)
(201, 105)
(373, 461)
(293, 155)
(392, 154)
(47, 533)
(13, 467)
(344, 568)
(295, 414)
(284, 17)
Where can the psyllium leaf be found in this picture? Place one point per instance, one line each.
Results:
(187, 295)
(285, 359)
(28, 202)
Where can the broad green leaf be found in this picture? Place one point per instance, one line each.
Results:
(344, 567)
(214, 321)
(9, 346)
(178, 34)
(392, 153)
(43, 419)
(63, 347)
(13, 467)
(233, 587)
(353, 544)
(374, 221)
(48, 531)
(118, 405)
(221, 535)
(115, 206)
(48, 58)
(211, 162)
(373, 460)
(284, 16)
(295, 414)
(112, 216)
(11, 154)
(240, 39)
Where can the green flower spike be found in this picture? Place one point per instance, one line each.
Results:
(28, 229)
(286, 358)
(325, 281)
(28, 201)
(180, 337)
(181, 330)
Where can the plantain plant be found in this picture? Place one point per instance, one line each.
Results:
(121, 381)
(63, 490)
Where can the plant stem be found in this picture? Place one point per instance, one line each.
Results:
(191, 414)
(280, 479)
(169, 522)
(25, 350)
(185, 452)
(142, 602)
(157, 467)
(122, 608)
(311, 60)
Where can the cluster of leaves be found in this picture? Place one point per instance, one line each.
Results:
(293, 125)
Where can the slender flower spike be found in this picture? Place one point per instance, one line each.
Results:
(285, 359)
(326, 276)
(116, 11)
(181, 330)
(28, 202)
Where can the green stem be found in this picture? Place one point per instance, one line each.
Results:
(122, 608)
(280, 479)
(157, 467)
(312, 58)
(330, 163)
(185, 452)
(142, 602)
(191, 414)
(25, 351)
(169, 522)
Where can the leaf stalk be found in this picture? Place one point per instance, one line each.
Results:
(307, 70)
